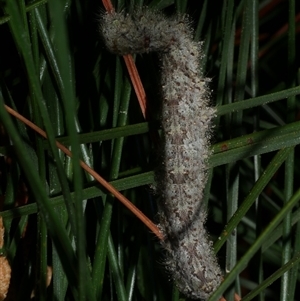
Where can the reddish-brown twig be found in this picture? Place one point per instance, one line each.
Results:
(136, 82)
(97, 177)
(132, 70)
(108, 6)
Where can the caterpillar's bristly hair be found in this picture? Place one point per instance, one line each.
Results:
(186, 122)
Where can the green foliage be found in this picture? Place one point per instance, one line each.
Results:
(56, 72)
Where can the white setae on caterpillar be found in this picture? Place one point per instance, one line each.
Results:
(186, 122)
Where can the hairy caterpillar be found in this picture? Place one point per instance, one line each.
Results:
(186, 122)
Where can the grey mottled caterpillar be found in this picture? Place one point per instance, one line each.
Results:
(186, 122)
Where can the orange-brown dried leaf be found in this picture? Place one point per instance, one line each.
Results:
(5, 273)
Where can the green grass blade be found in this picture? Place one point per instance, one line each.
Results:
(256, 190)
(285, 268)
(254, 248)
(56, 230)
